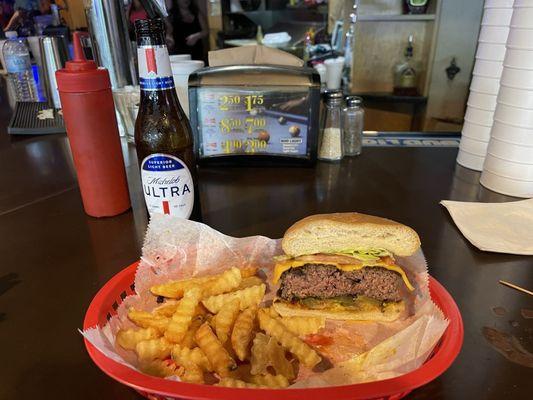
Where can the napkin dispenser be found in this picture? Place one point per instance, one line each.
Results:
(254, 114)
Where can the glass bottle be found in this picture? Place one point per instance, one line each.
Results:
(349, 48)
(163, 135)
(405, 74)
(352, 121)
(330, 144)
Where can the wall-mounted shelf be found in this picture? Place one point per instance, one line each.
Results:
(400, 17)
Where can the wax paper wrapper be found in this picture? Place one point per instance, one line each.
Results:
(360, 351)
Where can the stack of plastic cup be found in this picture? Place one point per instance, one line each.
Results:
(508, 167)
(485, 83)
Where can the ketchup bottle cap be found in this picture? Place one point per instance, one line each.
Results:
(81, 75)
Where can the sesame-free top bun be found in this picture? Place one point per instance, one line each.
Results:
(330, 233)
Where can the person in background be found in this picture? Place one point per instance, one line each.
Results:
(25, 10)
(6, 11)
(189, 20)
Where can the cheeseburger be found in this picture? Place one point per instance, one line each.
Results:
(343, 266)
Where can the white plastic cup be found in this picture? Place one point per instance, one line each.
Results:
(479, 116)
(521, 59)
(469, 160)
(497, 16)
(485, 85)
(179, 57)
(520, 39)
(490, 51)
(520, 117)
(488, 69)
(510, 151)
(475, 131)
(482, 101)
(507, 186)
(180, 72)
(334, 68)
(522, 18)
(321, 69)
(493, 34)
(512, 134)
(517, 78)
(518, 3)
(508, 169)
(499, 3)
(472, 146)
(514, 97)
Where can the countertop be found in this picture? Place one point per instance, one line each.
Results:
(55, 258)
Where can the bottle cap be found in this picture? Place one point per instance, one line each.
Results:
(354, 101)
(333, 96)
(11, 34)
(81, 75)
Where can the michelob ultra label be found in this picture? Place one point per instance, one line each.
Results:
(154, 68)
(167, 185)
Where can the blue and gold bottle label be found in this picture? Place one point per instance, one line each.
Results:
(154, 68)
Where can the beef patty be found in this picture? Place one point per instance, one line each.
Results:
(326, 281)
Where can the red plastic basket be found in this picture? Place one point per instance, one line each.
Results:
(117, 288)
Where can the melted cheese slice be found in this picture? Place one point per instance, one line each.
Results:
(283, 266)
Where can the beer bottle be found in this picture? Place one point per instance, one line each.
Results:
(163, 135)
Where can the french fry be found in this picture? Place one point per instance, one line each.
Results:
(147, 320)
(128, 338)
(192, 373)
(241, 336)
(225, 282)
(152, 349)
(290, 341)
(250, 281)
(167, 309)
(250, 296)
(236, 383)
(270, 381)
(225, 319)
(272, 312)
(301, 326)
(188, 339)
(177, 289)
(247, 272)
(217, 355)
(186, 355)
(181, 319)
(160, 368)
(260, 359)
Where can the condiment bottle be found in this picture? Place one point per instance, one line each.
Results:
(352, 121)
(90, 121)
(330, 147)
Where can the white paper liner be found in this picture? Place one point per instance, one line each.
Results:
(361, 351)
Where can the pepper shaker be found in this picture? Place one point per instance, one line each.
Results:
(352, 121)
(331, 142)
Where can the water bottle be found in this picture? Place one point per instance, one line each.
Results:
(19, 70)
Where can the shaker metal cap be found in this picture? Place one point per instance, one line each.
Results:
(354, 101)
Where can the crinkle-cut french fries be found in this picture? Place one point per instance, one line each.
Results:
(250, 296)
(225, 282)
(188, 339)
(250, 281)
(145, 319)
(301, 326)
(272, 381)
(247, 272)
(237, 383)
(160, 368)
(242, 333)
(290, 341)
(167, 309)
(217, 355)
(186, 355)
(267, 352)
(176, 289)
(225, 319)
(272, 312)
(181, 319)
(152, 349)
(128, 338)
(192, 373)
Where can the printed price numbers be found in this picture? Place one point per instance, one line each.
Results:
(228, 102)
(228, 125)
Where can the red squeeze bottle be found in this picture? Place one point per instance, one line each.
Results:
(89, 114)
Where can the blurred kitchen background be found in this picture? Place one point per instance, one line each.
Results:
(412, 59)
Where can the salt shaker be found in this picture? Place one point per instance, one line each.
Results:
(330, 144)
(352, 121)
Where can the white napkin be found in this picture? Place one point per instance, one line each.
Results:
(498, 227)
